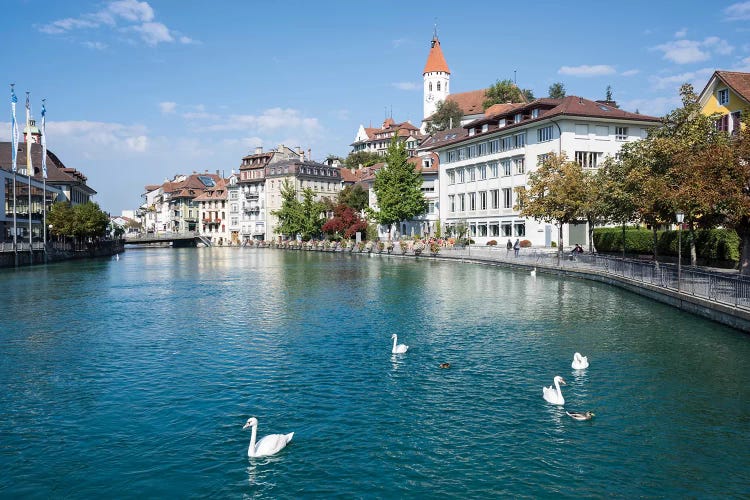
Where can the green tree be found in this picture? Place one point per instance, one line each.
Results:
(359, 159)
(311, 211)
(60, 217)
(290, 213)
(503, 92)
(398, 188)
(556, 90)
(556, 193)
(355, 197)
(90, 221)
(448, 115)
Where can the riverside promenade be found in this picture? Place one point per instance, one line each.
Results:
(722, 296)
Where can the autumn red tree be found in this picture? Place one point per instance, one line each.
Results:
(345, 222)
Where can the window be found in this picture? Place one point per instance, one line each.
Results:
(451, 177)
(493, 170)
(460, 175)
(483, 200)
(544, 134)
(451, 156)
(233, 195)
(472, 201)
(621, 133)
(473, 151)
(723, 96)
(482, 229)
(587, 159)
(452, 202)
(495, 199)
(506, 167)
(519, 163)
(461, 203)
(602, 132)
(507, 198)
(461, 154)
(482, 171)
(582, 131)
(472, 174)
(482, 149)
(431, 207)
(517, 118)
(540, 159)
(519, 229)
(506, 229)
(507, 143)
(438, 86)
(430, 86)
(494, 229)
(736, 121)
(722, 123)
(535, 113)
(494, 146)
(519, 140)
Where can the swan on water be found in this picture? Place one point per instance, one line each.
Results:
(533, 272)
(400, 348)
(581, 415)
(268, 445)
(579, 362)
(553, 394)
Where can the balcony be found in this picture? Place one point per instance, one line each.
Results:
(251, 195)
(209, 220)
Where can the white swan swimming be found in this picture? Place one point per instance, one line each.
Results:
(579, 362)
(268, 445)
(400, 348)
(553, 394)
(533, 272)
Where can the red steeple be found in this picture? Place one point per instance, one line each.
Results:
(435, 60)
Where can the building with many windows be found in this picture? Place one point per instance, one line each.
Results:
(481, 166)
(376, 140)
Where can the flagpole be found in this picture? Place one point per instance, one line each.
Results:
(14, 156)
(44, 177)
(29, 171)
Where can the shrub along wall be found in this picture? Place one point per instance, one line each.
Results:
(711, 245)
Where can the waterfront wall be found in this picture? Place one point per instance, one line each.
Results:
(56, 252)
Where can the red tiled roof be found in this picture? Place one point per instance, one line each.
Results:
(471, 103)
(739, 82)
(57, 172)
(435, 59)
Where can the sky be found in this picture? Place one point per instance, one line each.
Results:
(138, 91)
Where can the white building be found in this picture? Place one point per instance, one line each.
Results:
(481, 167)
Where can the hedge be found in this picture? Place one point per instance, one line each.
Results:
(710, 244)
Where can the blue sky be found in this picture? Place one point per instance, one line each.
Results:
(138, 91)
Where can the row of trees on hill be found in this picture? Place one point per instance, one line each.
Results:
(685, 165)
(397, 187)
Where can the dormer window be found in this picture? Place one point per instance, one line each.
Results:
(517, 118)
(535, 113)
(485, 127)
(723, 96)
(471, 131)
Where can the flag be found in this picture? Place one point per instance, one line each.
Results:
(29, 166)
(44, 140)
(14, 128)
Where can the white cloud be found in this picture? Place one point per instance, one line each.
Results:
(674, 81)
(123, 15)
(407, 85)
(91, 135)
(138, 143)
(692, 51)
(95, 45)
(167, 107)
(743, 65)
(630, 72)
(681, 34)
(738, 12)
(586, 70)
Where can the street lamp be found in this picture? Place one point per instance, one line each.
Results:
(680, 218)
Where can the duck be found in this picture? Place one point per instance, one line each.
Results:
(553, 394)
(398, 348)
(579, 362)
(268, 445)
(445, 365)
(581, 415)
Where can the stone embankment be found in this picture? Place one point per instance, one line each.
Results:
(56, 252)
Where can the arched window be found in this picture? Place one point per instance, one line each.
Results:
(430, 86)
(438, 86)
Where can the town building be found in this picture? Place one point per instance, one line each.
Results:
(376, 140)
(212, 212)
(482, 165)
(727, 94)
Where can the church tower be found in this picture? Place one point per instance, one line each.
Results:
(436, 77)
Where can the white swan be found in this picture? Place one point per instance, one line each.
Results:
(533, 272)
(553, 394)
(268, 445)
(400, 348)
(579, 362)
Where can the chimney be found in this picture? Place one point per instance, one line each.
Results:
(280, 148)
(258, 150)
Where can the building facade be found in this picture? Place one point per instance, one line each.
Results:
(727, 94)
(481, 167)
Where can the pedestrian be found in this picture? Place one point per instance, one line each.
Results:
(516, 247)
(508, 246)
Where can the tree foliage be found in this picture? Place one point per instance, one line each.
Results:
(398, 188)
(355, 197)
(556, 90)
(80, 221)
(345, 222)
(505, 91)
(357, 159)
(299, 217)
(448, 115)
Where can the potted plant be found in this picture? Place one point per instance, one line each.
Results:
(418, 247)
(434, 248)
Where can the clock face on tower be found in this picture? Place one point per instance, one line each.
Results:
(430, 97)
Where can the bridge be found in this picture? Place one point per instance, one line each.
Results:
(177, 240)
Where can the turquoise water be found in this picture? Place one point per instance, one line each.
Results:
(133, 378)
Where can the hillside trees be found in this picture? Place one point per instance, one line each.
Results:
(448, 115)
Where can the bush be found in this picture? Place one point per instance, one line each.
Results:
(525, 243)
(553, 244)
(492, 243)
